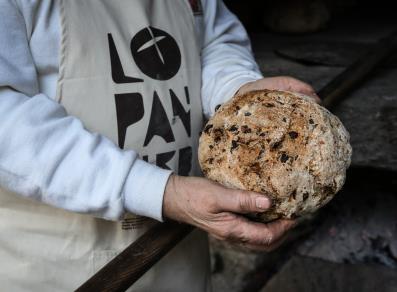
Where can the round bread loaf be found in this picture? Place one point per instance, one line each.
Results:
(278, 143)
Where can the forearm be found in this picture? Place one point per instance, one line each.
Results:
(48, 156)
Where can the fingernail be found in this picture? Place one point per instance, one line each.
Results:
(292, 224)
(262, 203)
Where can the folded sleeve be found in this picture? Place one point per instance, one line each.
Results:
(227, 59)
(49, 156)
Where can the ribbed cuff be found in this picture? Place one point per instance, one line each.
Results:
(144, 190)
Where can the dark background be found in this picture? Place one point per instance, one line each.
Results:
(252, 12)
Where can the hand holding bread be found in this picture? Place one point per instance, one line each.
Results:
(220, 211)
(269, 155)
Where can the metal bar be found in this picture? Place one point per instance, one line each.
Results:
(126, 268)
(355, 74)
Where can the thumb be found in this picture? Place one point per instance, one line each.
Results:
(238, 201)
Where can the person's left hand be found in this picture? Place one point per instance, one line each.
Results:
(283, 83)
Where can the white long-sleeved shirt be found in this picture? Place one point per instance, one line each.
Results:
(49, 156)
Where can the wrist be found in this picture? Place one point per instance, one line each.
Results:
(169, 202)
(250, 86)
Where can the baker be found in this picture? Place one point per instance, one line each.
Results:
(101, 104)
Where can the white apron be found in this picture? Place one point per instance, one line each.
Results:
(130, 70)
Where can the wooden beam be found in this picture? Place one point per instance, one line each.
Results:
(358, 72)
(126, 268)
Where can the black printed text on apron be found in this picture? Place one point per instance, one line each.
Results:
(158, 57)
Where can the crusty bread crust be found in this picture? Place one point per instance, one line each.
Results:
(278, 143)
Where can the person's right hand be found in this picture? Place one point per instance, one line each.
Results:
(217, 210)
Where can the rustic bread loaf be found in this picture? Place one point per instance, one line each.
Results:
(278, 143)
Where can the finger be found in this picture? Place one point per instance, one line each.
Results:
(313, 95)
(242, 202)
(263, 248)
(309, 91)
(306, 89)
(303, 88)
(260, 234)
(317, 98)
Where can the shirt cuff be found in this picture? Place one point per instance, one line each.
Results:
(144, 190)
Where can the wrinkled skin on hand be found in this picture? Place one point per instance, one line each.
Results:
(219, 211)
